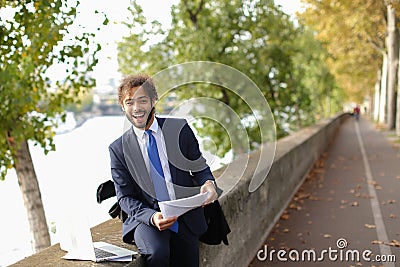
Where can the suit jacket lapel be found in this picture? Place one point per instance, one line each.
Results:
(135, 162)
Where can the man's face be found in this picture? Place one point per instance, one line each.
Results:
(137, 106)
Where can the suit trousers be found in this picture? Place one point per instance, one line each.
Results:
(166, 248)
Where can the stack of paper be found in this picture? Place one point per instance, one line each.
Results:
(175, 208)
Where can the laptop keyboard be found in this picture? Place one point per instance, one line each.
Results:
(102, 253)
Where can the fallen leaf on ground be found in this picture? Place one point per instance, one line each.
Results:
(370, 226)
(354, 204)
(314, 198)
(392, 216)
(393, 243)
(391, 201)
(285, 216)
(319, 170)
(295, 207)
(327, 235)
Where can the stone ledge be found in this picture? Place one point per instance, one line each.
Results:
(108, 231)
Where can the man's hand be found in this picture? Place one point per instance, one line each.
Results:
(161, 223)
(209, 187)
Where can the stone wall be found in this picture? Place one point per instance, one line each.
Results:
(251, 216)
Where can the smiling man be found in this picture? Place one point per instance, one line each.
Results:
(158, 159)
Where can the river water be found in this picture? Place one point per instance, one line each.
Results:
(68, 179)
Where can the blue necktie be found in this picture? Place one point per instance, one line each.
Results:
(157, 174)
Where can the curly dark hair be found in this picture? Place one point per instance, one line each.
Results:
(132, 81)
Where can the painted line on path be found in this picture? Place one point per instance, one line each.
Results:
(376, 210)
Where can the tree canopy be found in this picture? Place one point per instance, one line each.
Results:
(254, 37)
(34, 36)
(354, 34)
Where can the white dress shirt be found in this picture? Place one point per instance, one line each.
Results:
(162, 152)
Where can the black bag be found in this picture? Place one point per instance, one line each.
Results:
(218, 228)
(105, 191)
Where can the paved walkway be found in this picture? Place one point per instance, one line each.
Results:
(348, 205)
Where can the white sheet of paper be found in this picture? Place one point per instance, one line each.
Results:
(178, 207)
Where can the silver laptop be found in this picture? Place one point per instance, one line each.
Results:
(77, 241)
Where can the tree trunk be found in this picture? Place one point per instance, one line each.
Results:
(397, 130)
(383, 95)
(376, 99)
(393, 63)
(370, 105)
(398, 112)
(32, 198)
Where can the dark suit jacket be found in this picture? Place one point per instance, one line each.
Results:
(133, 183)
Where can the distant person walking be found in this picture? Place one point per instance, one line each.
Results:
(356, 112)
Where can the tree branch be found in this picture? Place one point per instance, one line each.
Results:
(193, 16)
